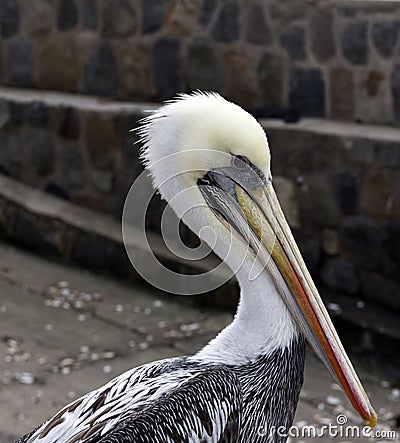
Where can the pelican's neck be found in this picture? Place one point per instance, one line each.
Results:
(261, 325)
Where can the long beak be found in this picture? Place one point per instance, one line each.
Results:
(264, 215)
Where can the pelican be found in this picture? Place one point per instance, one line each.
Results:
(246, 381)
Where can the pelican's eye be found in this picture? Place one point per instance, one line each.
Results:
(240, 162)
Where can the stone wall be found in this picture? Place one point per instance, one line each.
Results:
(339, 184)
(326, 58)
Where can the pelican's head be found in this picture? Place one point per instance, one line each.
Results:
(210, 160)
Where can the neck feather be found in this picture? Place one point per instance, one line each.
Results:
(261, 325)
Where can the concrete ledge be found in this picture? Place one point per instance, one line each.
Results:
(45, 223)
(77, 101)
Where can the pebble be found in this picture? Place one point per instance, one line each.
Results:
(3, 309)
(107, 369)
(332, 400)
(119, 309)
(189, 327)
(67, 361)
(360, 304)
(108, 355)
(25, 378)
(143, 346)
(147, 311)
(157, 303)
(66, 370)
(48, 327)
(63, 284)
(334, 307)
(394, 395)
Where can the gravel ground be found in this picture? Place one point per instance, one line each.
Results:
(65, 331)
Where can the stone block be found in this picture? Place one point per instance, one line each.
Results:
(119, 263)
(36, 233)
(362, 240)
(20, 62)
(287, 11)
(341, 93)
(68, 124)
(372, 97)
(167, 67)
(152, 15)
(90, 251)
(287, 195)
(346, 185)
(310, 248)
(293, 40)
(385, 35)
(360, 151)
(256, 30)
(240, 84)
(54, 188)
(100, 141)
(9, 18)
(72, 167)
(395, 89)
(207, 12)
(37, 114)
(7, 217)
(4, 114)
(339, 275)
(37, 17)
(16, 113)
(90, 14)
(271, 79)
(10, 152)
(317, 204)
(392, 240)
(381, 290)
(56, 66)
(67, 16)
(201, 67)
(307, 91)
(134, 70)
(353, 40)
(226, 27)
(100, 72)
(127, 139)
(119, 19)
(40, 148)
(183, 18)
(388, 155)
(330, 241)
(102, 180)
(378, 192)
(321, 32)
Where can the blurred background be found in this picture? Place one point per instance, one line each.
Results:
(322, 76)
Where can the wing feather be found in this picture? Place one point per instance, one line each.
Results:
(174, 400)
